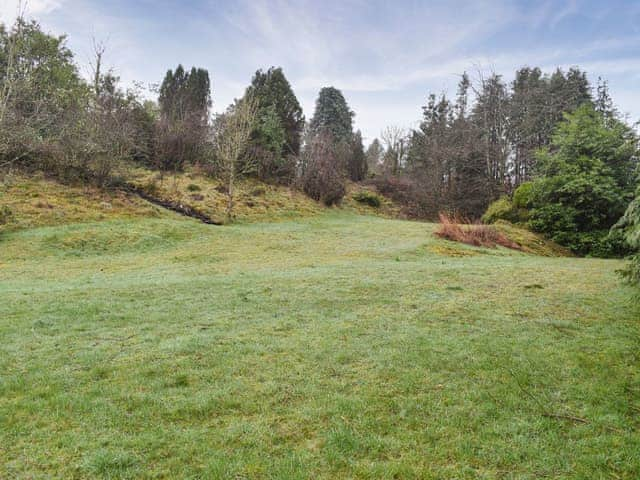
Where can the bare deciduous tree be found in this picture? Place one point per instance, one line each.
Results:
(324, 176)
(231, 138)
(396, 142)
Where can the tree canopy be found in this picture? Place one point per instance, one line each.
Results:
(273, 92)
(333, 115)
(584, 182)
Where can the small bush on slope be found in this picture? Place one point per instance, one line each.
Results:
(513, 210)
(368, 198)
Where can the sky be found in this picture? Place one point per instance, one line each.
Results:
(385, 56)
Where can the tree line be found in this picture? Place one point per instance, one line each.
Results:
(545, 150)
(92, 130)
(471, 149)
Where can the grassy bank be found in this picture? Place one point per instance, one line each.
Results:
(336, 346)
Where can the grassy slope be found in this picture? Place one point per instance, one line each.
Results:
(337, 346)
(34, 201)
(254, 200)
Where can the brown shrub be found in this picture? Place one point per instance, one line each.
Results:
(415, 200)
(461, 230)
(323, 178)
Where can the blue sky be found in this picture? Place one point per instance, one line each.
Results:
(385, 56)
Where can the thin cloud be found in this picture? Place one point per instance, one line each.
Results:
(9, 9)
(385, 56)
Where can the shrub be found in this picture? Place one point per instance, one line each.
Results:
(192, 187)
(324, 186)
(522, 196)
(5, 214)
(368, 198)
(151, 187)
(323, 177)
(458, 230)
(505, 209)
(629, 226)
(416, 202)
(501, 209)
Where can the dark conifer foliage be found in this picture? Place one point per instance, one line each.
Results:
(184, 100)
(272, 90)
(185, 95)
(333, 114)
(357, 163)
(277, 137)
(468, 153)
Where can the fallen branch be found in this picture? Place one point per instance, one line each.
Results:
(558, 416)
(566, 417)
(177, 207)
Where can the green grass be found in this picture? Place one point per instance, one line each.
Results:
(336, 346)
(28, 201)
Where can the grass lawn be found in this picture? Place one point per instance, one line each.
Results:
(336, 346)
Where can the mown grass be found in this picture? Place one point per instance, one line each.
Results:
(336, 346)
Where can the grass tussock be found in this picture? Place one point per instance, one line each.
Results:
(458, 229)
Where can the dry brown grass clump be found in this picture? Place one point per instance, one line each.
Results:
(458, 229)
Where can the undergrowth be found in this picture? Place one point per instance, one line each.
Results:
(461, 230)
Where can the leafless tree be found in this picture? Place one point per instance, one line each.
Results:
(396, 142)
(323, 178)
(10, 81)
(99, 49)
(231, 138)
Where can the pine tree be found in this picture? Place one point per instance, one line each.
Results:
(490, 116)
(603, 102)
(185, 95)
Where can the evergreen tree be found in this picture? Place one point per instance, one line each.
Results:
(630, 225)
(585, 182)
(526, 128)
(603, 102)
(185, 96)
(538, 102)
(276, 139)
(469, 189)
(490, 117)
(273, 91)
(332, 114)
(185, 101)
(357, 164)
(429, 154)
